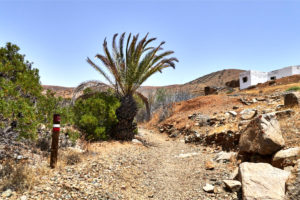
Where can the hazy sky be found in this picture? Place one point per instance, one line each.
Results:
(206, 35)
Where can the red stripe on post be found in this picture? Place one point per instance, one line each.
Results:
(56, 129)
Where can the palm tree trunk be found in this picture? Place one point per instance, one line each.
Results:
(125, 128)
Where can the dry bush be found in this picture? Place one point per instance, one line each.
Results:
(68, 158)
(73, 159)
(18, 176)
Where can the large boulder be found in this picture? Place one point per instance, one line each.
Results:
(287, 157)
(262, 181)
(292, 99)
(262, 136)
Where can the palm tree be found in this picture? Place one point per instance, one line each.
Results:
(129, 68)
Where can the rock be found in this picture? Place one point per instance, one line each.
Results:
(232, 185)
(284, 113)
(234, 174)
(248, 114)
(203, 120)
(233, 113)
(225, 156)
(19, 157)
(262, 136)
(23, 197)
(7, 193)
(174, 134)
(292, 99)
(287, 157)
(235, 107)
(135, 141)
(262, 181)
(288, 168)
(186, 155)
(209, 165)
(293, 184)
(208, 188)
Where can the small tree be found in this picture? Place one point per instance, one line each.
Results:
(129, 68)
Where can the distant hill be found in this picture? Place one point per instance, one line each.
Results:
(195, 87)
(66, 92)
(218, 78)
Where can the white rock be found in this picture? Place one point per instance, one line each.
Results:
(224, 156)
(233, 185)
(6, 193)
(135, 141)
(185, 155)
(208, 188)
(248, 114)
(233, 113)
(262, 181)
(23, 197)
(286, 157)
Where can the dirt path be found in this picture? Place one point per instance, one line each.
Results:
(166, 169)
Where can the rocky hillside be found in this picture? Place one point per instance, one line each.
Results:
(196, 87)
(66, 92)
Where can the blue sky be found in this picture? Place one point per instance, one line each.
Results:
(206, 36)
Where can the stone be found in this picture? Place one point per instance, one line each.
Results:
(209, 165)
(23, 197)
(293, 184)
(174, 134)
(262, 181)
(287, 157)
(224, 156)
(248, 114)
(262, 136)
(203, 120)
(232, 185)
(233, 113)
(7, 193)
(208, 188)
(235, 107)
(135, 141)
(186, 155)
(19, 157)
(292, 99)
(284, 113)
(234, 175)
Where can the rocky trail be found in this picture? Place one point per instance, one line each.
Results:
(163, 169)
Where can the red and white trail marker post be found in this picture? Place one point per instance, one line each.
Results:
(55, 139)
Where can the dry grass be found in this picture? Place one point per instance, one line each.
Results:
(18, 176)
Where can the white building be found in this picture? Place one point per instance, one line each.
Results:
(249, 78)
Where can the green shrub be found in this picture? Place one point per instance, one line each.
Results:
(95, 114)
(48, 105)
(19, 90)
(22, 105)
(295, 88)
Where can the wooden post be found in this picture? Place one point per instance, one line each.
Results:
(55, 139)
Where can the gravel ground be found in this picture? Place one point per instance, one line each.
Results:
(164, 169)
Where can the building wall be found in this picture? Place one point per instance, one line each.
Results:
(280, 73)
(296, 69)
(244, 85)
(258, 77)
(255, 77)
